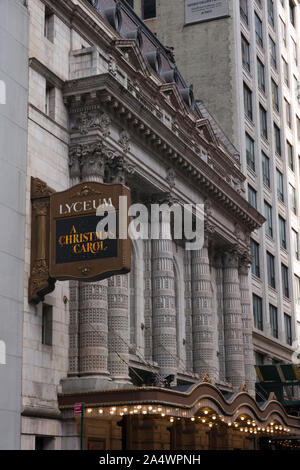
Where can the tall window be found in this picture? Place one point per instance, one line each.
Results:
(266, 169)
(244, 10)
(49, 24)
(269, 219)
(297, 289)
(295, 52)
(288, 113)
(255, 268)
(285, 67)
(274, 321)
(248, 102)
(280, 187)
(250, 152)
(292, 199)
(292, 12)
(258, 30)
(295, 242)
(263, 122)
(271, 270)
(252, 197)
(246, 53)
(285, 281)
(283, 32)
(272, 47)
(275, 96)
(258, 313)
(290, 155)
(261, 75)
(277, 139)
(282, 232)
(271, 12)
(50, 100)
(148, 9)
(47, 325)
(288, 329)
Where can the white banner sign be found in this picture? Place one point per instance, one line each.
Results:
(205, 10)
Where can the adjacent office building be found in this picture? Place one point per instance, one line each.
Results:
(13, 137)
(243, 60)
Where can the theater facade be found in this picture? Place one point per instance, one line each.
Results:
(162, 357)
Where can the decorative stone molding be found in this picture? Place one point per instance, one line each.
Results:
(124, 141)
(40, 282)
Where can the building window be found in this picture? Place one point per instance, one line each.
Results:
(292, 199)
(298, 127)
(282, 232)
(47, 321)
(252, 197)
(258, 313)
(285, 66)
(261, 75)
(272, 47)
(49, 24)
(269, 219)
(258, 31)
(288, 113)
(263, 122)
(277, 139)
(295, 52)
(290, 155)
(44, 443)
(246, 53)
(148, 9)
(288, 329)
(50, 100)
(283, 31)
(285, 281)
(271, 270)
(275, 96)
(250, 152)
(292, 12)
(280, 188)
(266, 170)
(244, 10)
(295, 242)
(297, 289)
(130, 2)
(255, 267)
(248, 102)
(271, 12)
(274, 321)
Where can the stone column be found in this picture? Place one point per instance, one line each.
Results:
(118, 304)
(220, 316)
(188, 310)
(247, 319)
(93, 325)
(74, 166)
(233, 328)
(163, 303)
(148, 300)
(204, 340)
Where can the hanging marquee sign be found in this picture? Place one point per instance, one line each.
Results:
(79, 234)
(85, 226)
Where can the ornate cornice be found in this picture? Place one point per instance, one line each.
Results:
(105, 90)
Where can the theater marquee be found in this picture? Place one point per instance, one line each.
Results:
(70, 238)
(205, 10)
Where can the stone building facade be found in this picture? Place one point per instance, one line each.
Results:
(107, 104)
(245, 68)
